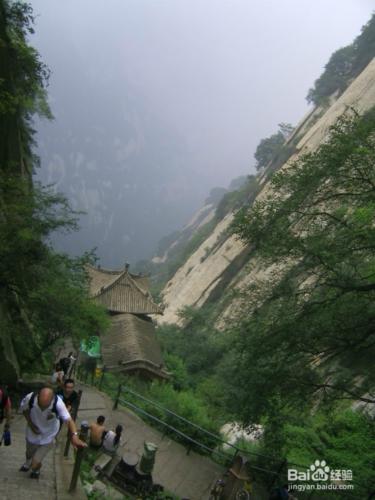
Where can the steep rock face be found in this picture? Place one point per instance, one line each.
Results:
(222, 261)
(202, 272)
(203, 216)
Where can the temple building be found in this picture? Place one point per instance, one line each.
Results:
(130, 345)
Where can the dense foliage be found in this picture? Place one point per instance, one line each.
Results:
(43, 294)
(306, 339)
(302, 351)
(194, 354)
(344, 65)
(183, 402)
(23, 79)
(311, 328)
(204, 365)
(343, 438)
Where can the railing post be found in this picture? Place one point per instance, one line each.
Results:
(101, 378)
(79, 455)
(190, 446)
(74, 416)
(283, 466)
(117, 396)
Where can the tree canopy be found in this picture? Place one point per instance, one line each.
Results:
(43, 294)
(344, 65)
(309, 333)
(269, 147)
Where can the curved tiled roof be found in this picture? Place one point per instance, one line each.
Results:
(121, 291)
(100, 278)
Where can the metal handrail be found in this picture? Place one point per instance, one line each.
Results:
(205, 431)
(192, 440)
(216, 437)
(177, 431)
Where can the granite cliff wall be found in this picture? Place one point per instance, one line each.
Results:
(222, 263)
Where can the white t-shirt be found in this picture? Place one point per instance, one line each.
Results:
(45, 420)
(108, 442)
(57, 375)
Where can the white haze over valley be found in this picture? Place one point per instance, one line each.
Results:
(156, 102)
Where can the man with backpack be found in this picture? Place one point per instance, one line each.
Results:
(43, 412)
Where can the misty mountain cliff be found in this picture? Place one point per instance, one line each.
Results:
(124, 171)
(221, 266)
(151, 114)
(174, 249)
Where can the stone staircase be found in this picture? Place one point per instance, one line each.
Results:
(185, 475)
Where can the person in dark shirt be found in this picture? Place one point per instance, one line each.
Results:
(65, 364)
(5, 411)
(68, 394)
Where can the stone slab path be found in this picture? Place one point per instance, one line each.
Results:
(15, 485)
(188, 476)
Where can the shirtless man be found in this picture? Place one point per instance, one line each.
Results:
(97, 431)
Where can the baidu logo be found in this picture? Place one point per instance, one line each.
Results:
(319, 471)
(320, 477)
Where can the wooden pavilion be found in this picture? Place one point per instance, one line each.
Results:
(130, 345)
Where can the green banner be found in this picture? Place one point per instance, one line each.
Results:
(91, 347)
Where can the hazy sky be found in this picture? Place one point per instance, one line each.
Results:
(218, 74)
(222, 72)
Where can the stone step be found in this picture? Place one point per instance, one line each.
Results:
(18, 485)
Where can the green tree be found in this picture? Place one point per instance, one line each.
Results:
(335, 76)
(23, 80)
(43, 294)
(309, 333)
(270, 147)
(198, 344)
(344, 65)
(364, 46)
